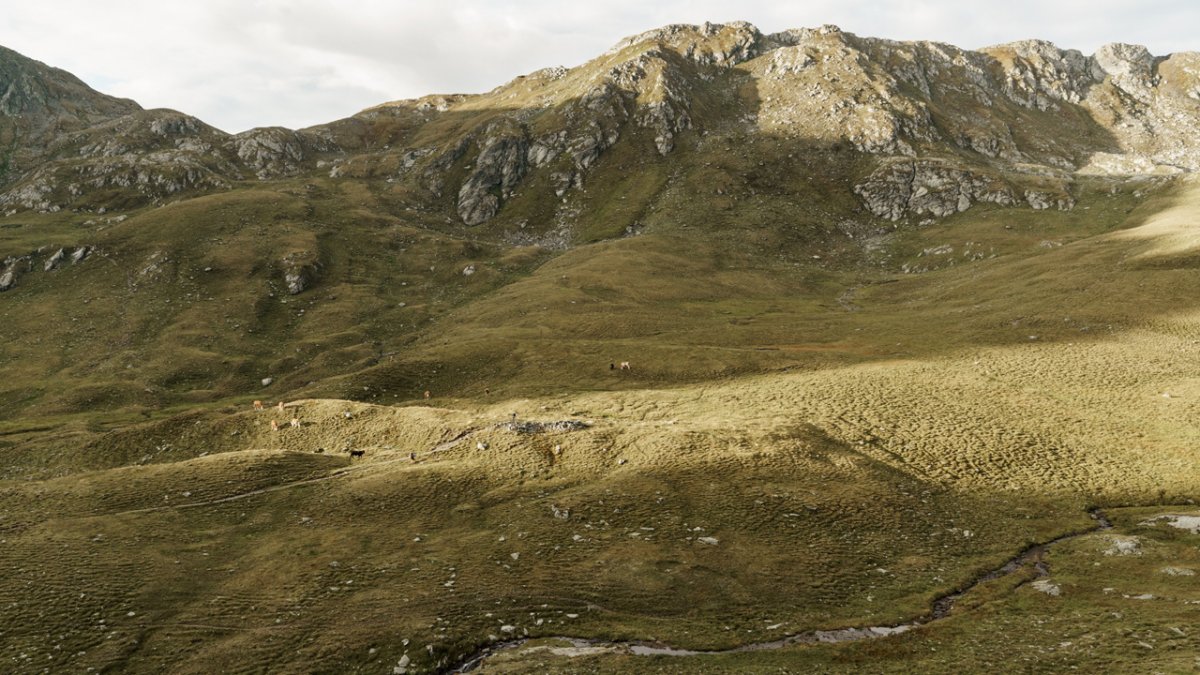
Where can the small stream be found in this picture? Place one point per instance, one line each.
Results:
(940, 609)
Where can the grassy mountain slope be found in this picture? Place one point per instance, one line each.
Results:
(893, 311)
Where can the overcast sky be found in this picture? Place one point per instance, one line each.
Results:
(237, 64)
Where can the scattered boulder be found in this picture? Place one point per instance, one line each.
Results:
(55, 260)
(1178, 571)
(1124, 546)
(300, 271)
(1048, 587)
(1040, 201)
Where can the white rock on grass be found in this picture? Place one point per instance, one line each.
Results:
(1178, 572)
(1125, 546)
(1048, 587)
(1191, 523)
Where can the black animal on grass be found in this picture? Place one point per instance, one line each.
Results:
(356, 453)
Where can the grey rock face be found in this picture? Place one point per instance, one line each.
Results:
(1131, 67)
(928, 188)
(274, 151)
(40, 103)
(545, 149)
(1040, 75)
(499, 167)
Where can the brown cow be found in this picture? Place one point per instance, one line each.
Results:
(258, 405)
(274, 425)
(295, 423)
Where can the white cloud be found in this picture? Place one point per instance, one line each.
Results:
(238, 64)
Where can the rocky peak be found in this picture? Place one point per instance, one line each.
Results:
(32, 89)
(707, 44)
(37, 103)
(1131, 67)
(1037, 74)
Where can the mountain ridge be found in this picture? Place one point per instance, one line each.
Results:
(914, 99)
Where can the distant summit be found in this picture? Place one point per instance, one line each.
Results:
(39, 103)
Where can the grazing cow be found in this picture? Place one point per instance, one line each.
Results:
(427, 393)
(320, 451)
(412, 456)
(258, 405)
(295, 423)
(357, 453)
(281, 406)
(625, 365)
(274, 425)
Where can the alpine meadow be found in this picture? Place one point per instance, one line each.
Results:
(723, 352)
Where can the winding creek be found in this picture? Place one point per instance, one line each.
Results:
(940, 609)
